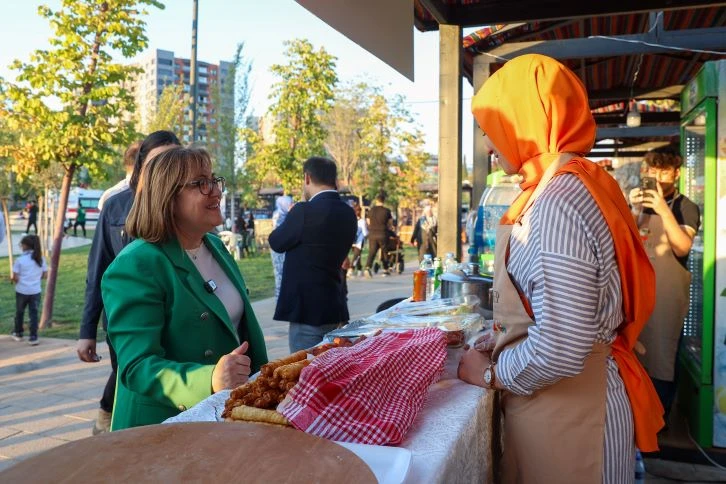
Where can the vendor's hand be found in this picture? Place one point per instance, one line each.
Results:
(654, 199)
(86, 349)
(232, 370)
(639, 348)
(472, 366)
(485, 343)
(635, 197)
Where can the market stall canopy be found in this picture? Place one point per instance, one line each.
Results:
(474, 13)
(382, 27)
(630, 62)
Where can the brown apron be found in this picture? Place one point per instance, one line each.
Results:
(558, 433)
(672, 281)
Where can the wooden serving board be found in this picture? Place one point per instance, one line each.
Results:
(223, 452)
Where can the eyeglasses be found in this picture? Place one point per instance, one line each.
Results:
(206, 185)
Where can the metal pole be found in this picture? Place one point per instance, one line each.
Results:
(193, 71)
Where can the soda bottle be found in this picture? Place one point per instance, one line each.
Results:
(419, 285)
(639, 468)
(427, 264)
(438, 270)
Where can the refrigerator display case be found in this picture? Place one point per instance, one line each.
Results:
(702, 355)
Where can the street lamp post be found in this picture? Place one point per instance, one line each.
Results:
(193, 71)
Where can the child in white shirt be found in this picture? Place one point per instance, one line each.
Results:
(28, 270)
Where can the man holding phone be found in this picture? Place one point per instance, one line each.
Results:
(668, 222)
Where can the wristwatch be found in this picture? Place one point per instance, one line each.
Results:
(489, 376)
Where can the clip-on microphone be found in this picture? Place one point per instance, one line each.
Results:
(210, 286)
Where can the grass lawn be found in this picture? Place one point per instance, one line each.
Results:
(71, 286)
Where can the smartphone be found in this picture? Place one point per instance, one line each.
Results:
(648, 183)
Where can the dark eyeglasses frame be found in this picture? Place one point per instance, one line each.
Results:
(210, 183)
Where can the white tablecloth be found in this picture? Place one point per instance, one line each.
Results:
(449, 440)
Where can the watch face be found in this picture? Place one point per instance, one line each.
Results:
(488, 376)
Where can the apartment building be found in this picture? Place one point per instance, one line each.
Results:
(161, 68)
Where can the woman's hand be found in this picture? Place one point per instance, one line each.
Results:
(232, 370)
(472, 366)
(485, 343)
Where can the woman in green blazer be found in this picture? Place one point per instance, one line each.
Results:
(177, 306)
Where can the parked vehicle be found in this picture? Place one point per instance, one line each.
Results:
(86, 198)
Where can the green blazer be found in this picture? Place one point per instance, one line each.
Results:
(168, 331)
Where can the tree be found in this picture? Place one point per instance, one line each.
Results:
(301, 98)
(231, 103)
(343, 124)
(168, 112)
(391, 151)
(78, 75)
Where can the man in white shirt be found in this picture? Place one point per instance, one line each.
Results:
(129, 161)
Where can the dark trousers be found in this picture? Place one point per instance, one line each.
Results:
(31, 222)
(356, 265)
(32, 301)
(376, 242)
(110, 390)
(83, 226)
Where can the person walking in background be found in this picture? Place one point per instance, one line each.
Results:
(32, 209)
(316, 237)
(282, 207)
(129, 161)
(108, 240)
(424, 233)
(80, 220)
(178, 313)
(380, 227)
(668, 222)
(360, 239)
(251, 241)
(28, 270)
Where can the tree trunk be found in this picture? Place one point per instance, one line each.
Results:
(47, 316)
(9, 235)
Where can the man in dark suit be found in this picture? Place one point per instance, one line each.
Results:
(315, 237)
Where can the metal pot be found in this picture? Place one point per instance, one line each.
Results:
(460, 283)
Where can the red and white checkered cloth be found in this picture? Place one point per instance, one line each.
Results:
(369, 393)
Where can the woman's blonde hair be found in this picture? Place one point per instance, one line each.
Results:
(152, 215)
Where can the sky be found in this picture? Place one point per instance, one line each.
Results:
(263, 27)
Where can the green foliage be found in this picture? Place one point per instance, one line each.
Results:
(69, 102)
(344, 126)
(301, 98)
(392, 150)
(77, 74)
(168, 111)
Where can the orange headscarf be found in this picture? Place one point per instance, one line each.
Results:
(534, 110)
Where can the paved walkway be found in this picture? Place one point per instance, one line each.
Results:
(69, 242)
(48, 397)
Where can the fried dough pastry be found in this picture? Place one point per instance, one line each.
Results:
(268, 369)
(251, 414)
(290, 371)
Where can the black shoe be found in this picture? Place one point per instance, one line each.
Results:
(376, 266)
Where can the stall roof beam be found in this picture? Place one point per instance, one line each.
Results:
(618, 94)
(668, 117)
(619, 154)
(639, 132)
(664, 42)
(438, 10)
(489, 12)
